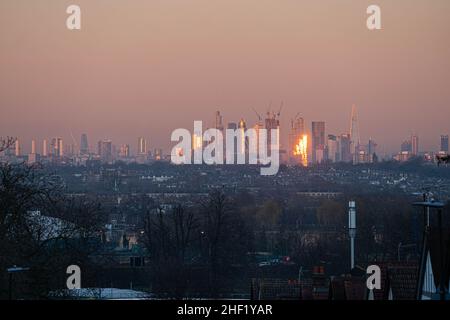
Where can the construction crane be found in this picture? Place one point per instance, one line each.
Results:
(258, 115)
(279, 110)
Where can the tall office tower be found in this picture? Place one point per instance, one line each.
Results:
(444, 143)
(57, 147)
(415, 145)
(44, 148)
(53, 147)
(242, 127)
(33, 146)
(345, 147)
(114, 152)
(256, 127)
(218, 121)
(105, 150)
(158, 154)
(271, 123)
(318, 141)
(142, 146)
(298, 153)
(242, 124)
(332, 148)
(124, 151)
(17, 148)
(371, 149)
(60, 147)
(32, 157)
(406, 146)
(84, 146)
(354, 134)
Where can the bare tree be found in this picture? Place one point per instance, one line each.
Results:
(216, 212)
(169, 237)
(37, 231)
(6, 143)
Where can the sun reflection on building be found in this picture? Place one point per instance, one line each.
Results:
(301, 150)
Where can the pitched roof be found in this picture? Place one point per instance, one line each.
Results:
(403, 282)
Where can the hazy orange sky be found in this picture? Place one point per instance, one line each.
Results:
(146, 67)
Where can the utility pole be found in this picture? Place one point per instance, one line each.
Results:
(352, 231)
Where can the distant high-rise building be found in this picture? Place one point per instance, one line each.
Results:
(44, 148)
(124, 151)
(345, 147)
(60, 147)
(242, 127)
(354, 134)
(371, 146)
(17, 148)
(142, 146)
(298, 153)
(415, 145)
(318, 141)
(272, 122)
(332, 148)
(219, 121)
(158, 154)
(32, 157)
(444, 143)
(84, 146)
(371, 150)
(406, 146)
(105, 150)
(57, 147)
(33, 147)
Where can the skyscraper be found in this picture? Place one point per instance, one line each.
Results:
(354, 134)
(415, 145)
(44, 148)
(406, 146)
(124, 151)
(60, 147)
(33, 146)
(318, 141)
(17, 148)
(371, 150)
(57, 147)
(142, 146)
(219, 121)
(158, 154)
(84, 146)
(332, 148)
(444, 143)
(298, 143)
(344, 142)
(32, 157)
(242, 127)
(105, 150)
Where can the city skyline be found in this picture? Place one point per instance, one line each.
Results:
(316, 133)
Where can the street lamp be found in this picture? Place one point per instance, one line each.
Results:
(11, 271)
